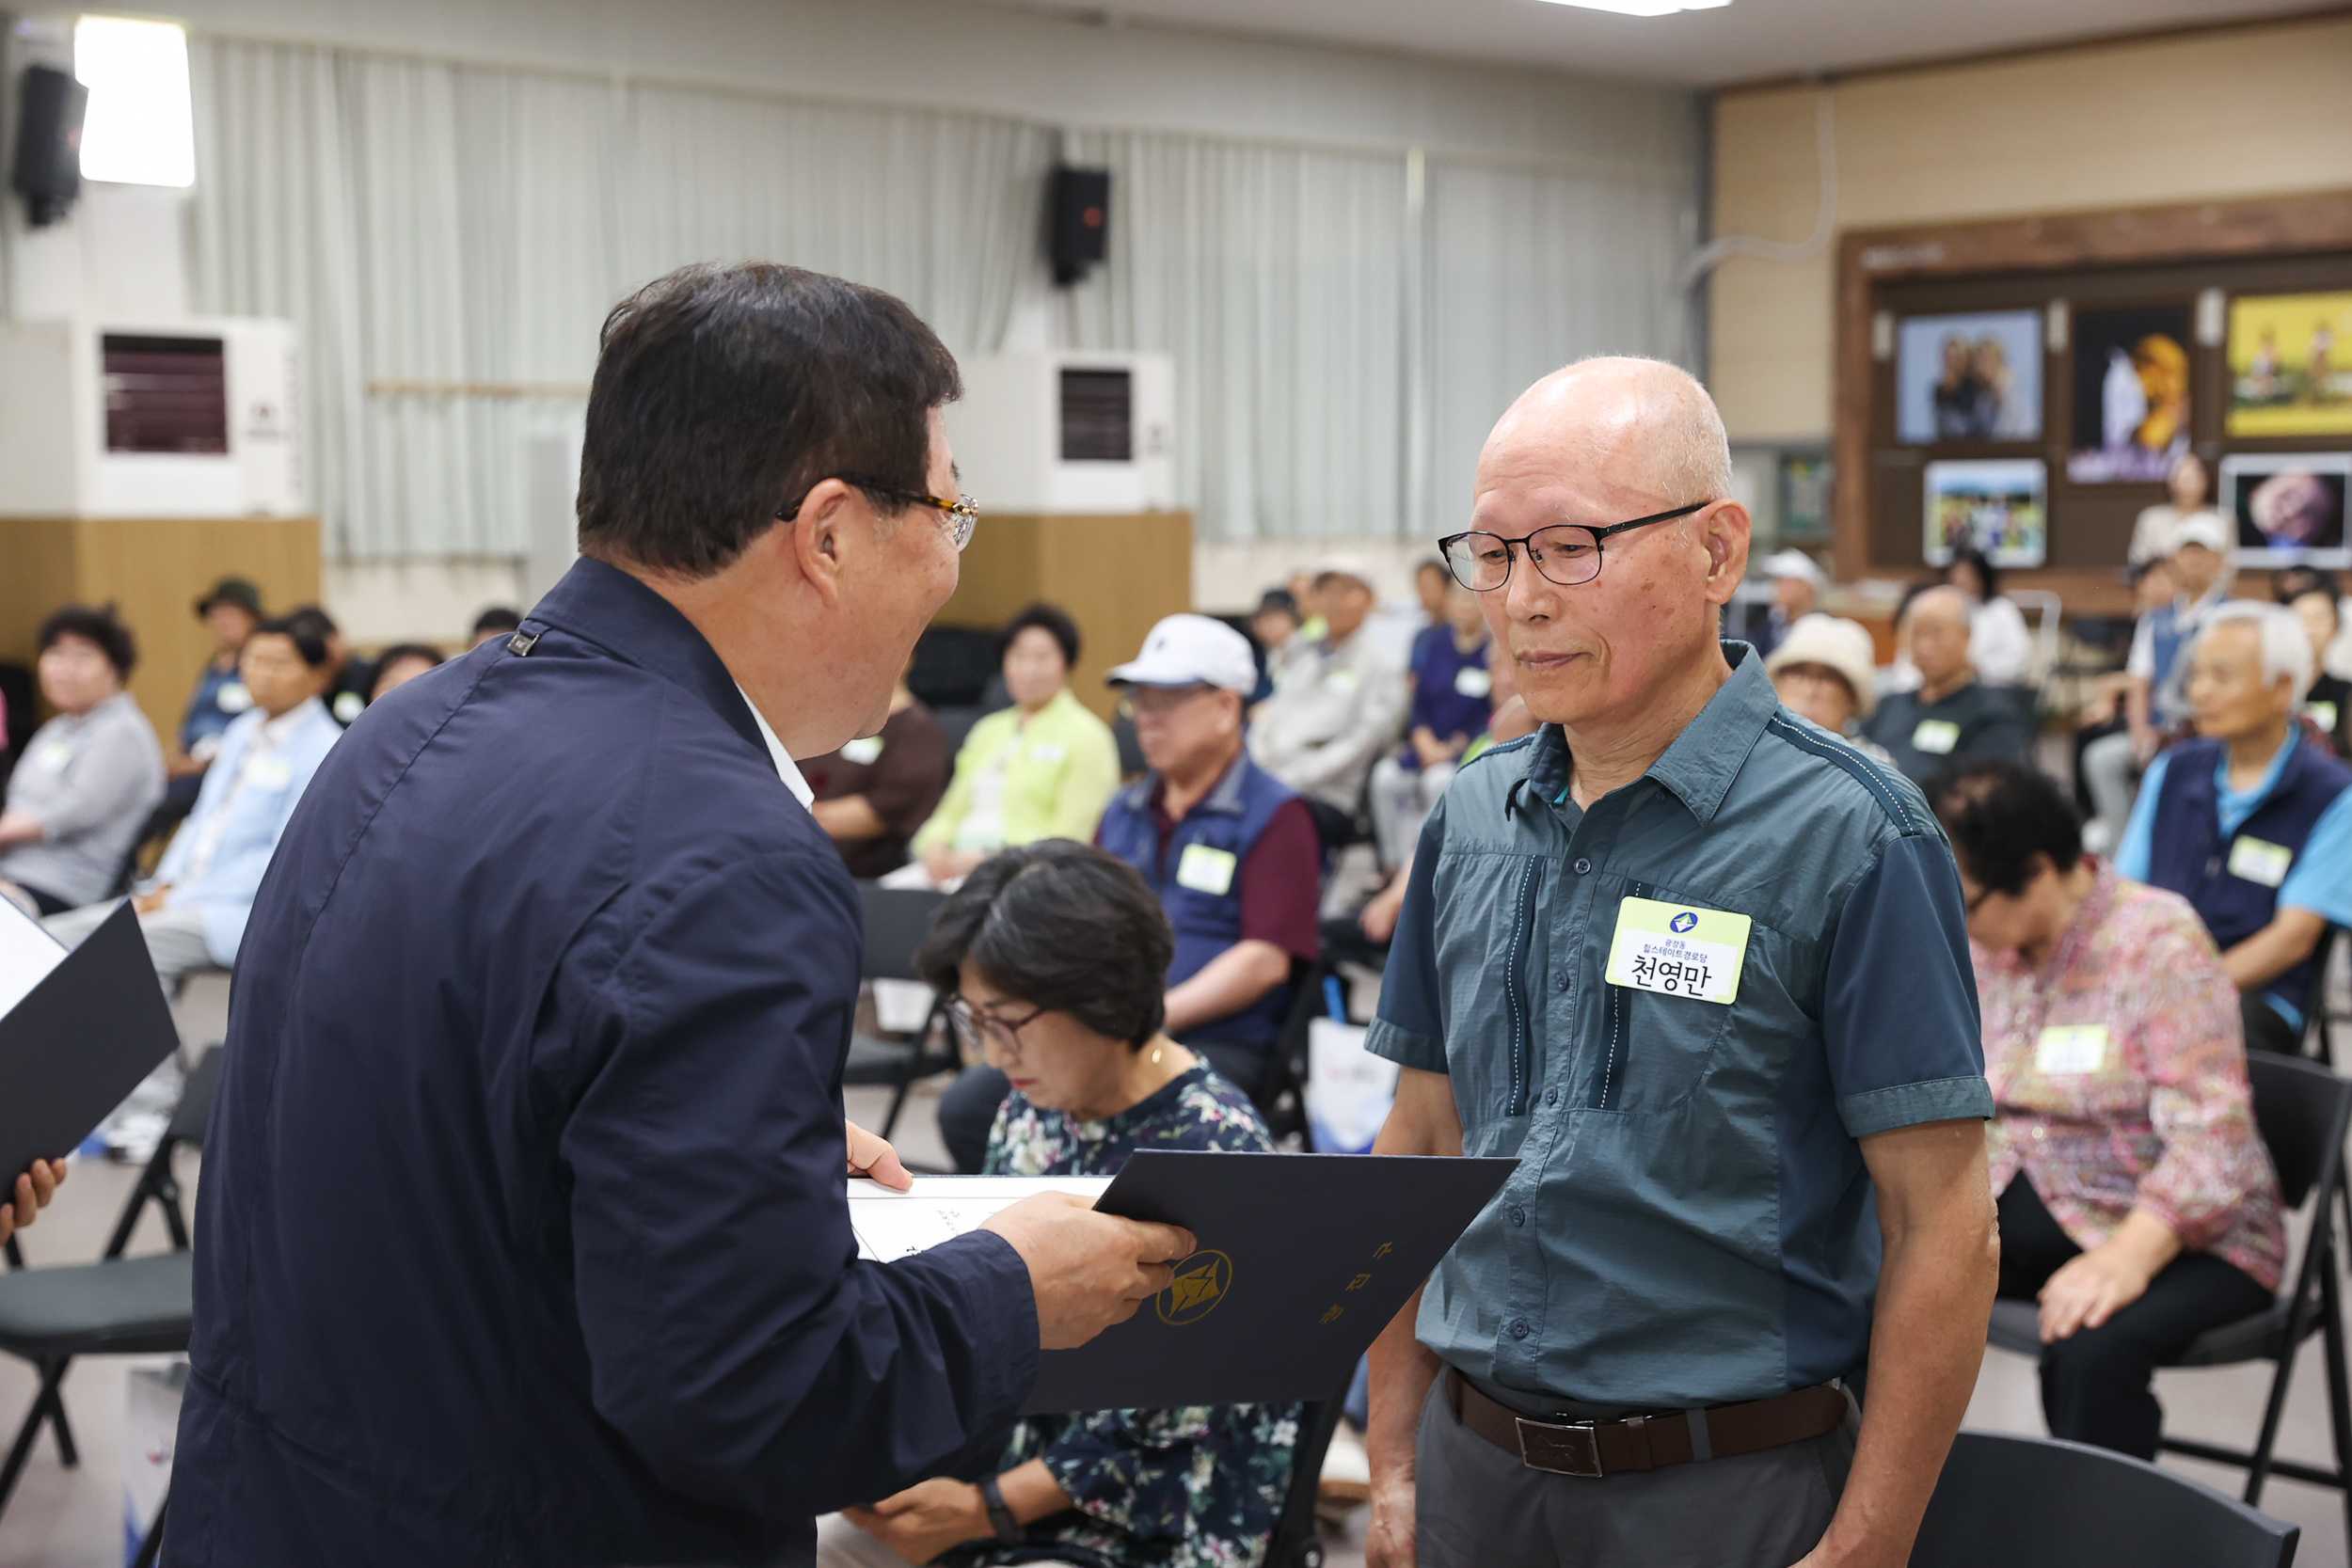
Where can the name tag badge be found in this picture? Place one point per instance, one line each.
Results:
(269, 773)
(2322, 714)
(2257, 860)
(1048, 751)
(863, 752)
(53, 756)
(1935, 737)
(1677, 950)
(233, 697)
(1471, 681)
(348, 705)
(2071, 1048)
(1341, 680)
(1205, 869)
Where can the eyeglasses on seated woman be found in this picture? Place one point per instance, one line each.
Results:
(1054, 957)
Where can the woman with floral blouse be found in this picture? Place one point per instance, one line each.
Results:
(2137, 1204)
(1054, 957)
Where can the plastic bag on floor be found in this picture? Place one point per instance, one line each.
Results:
(1349, 1089)
(150, 1430)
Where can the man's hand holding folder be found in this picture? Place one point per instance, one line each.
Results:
(1089, 1270)
(35, 1185)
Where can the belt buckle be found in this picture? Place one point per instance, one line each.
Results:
(1561, 1450)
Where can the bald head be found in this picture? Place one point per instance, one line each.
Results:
(1617, 631)
(1648, 422)
(1937, 622)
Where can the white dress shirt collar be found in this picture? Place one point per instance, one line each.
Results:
(786, 769)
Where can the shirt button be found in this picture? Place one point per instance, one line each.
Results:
(1520, 1329)
(1563, 980)
(1552, 1096)
(2040, 1133)
(1518, 1215)
(1583, 866)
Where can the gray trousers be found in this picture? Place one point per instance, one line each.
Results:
(2111, 775)
(1478, 1507)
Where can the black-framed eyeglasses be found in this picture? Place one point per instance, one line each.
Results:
(1566, 554)
(975, 1028)
(962, 515)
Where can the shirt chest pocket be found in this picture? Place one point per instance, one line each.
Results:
(1645, 1050)
(1488, 973)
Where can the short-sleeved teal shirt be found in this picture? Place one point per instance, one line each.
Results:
(1691, 1221)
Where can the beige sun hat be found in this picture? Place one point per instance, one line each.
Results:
(1837, 643)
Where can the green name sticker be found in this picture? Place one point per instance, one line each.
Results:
(1205, 869)
(1677, 950)
(2323, 714)
(2257, 860)
(1935, 737)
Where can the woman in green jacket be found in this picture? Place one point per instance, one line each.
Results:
(1044, 768)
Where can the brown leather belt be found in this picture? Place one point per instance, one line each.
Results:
(1595, 1448)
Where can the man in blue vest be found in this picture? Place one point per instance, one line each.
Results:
(1230, 850)
(2251, 821)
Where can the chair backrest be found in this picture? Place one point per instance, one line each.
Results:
(2315, 1041)
(2036, 1502)
(2301, 1109)
(897, 920)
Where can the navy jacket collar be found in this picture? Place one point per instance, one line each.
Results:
(605, 606)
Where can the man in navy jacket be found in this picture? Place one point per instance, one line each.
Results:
(522, 1238)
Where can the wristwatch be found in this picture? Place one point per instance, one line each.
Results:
(1008, 1528)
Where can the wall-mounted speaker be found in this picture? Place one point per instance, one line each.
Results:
(1078, 220)
(48, 173)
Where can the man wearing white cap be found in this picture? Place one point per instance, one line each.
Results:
(2156, 669)
(1797, 584)
(1229, 848)
(1339, 705)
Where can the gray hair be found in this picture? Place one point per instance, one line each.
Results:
(2286, 647)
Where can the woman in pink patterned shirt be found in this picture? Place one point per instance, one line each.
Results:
(2137, 1204)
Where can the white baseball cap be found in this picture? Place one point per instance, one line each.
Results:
(1795, 563)
(1191, 650)
(2200, 528)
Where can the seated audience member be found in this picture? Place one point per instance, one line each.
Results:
(1044, 767)
(89, 778)
(1338, 708)
(2251, 821)
(194, 909)
(230, 613)
(875, 792)
(1276, 624)
(2155, 695)
(1797, 583)
(1051, 957)
(1450, 705)
(1230, 851)
(398, 665)
(2329, 704)
(1823, 671)
(1430, 582)
(2137, 1202)
(496, 621)
(1952, 714)
(1998, 643)
(349, 679)
(2156, 533)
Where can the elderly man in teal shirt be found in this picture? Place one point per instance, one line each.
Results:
(1702, 968)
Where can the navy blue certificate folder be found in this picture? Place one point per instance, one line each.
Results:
(1303, 1259)
(79, 1042)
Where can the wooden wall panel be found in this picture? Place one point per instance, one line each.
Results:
(151, 570)
(1115, 574)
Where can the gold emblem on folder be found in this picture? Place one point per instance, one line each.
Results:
(1201, 1282)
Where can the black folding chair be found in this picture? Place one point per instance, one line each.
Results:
(897, 920)
(1295, 1542)
(2037, 1502)
(1281, 1096)
(117, 1306)
(2315, 1016)
(2301, 1109)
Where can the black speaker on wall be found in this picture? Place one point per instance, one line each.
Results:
(48, 173)
(1078, 220)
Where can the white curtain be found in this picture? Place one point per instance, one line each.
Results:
(447, 239)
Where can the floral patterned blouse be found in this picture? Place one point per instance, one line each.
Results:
(1194, 1488)
(2118, 1078)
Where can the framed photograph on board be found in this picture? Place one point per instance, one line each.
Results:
(1804, 490)
(2291, 365)
(2288, 506)
(2130, 393)
(2001, 504)
(1974, 377)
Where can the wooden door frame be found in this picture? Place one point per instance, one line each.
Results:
(2122, 236)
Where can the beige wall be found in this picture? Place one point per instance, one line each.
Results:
(2247, 112)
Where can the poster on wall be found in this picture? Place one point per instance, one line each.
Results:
(2131, 393)
(1974, 377)
(1999, 504)
(1804, 494)
(2288, 506)
(2291, 365)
